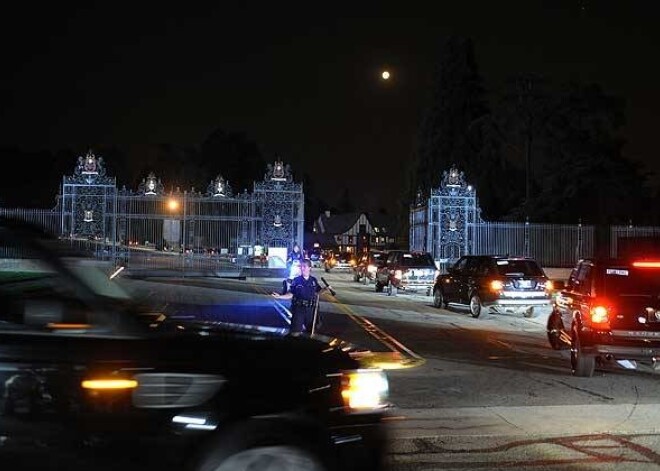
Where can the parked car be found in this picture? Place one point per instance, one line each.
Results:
(342, 261)
(88, 380)
(367, 264)
(495, 283)
(408, 271)
(608, 312)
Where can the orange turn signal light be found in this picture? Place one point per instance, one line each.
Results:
(496, 285)
(109, 384)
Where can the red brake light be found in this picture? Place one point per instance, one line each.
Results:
(647, 264)
(599, 315)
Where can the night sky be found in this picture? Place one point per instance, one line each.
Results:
(303, 82)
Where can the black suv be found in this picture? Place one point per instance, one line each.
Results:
(88, 380)
(408, 271)
(495, 283)
(609, 311)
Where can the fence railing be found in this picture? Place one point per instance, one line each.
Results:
(557, 245)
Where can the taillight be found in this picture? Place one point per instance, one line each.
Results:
(646, 264)
(599, 315)
(496, 285)
(549, 286)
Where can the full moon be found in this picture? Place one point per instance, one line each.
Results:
(385, 75)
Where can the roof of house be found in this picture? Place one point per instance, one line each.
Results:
(338, 223)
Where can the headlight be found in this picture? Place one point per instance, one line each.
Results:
(398, 274)
(371, 268)
(364, 390)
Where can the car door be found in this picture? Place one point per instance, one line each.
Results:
(46, 342)
(574, 299)
(451, 286)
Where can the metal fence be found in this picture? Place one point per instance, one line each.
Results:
(212, 233)
(553, 245)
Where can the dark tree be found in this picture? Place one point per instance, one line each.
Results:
(457, 104)
(233, 155)
(584, 175)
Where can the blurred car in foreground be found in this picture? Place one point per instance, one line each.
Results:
(88, 380)
(495, 283)
(608, 312)
(408, 271)
(343, 261)
(367, 265)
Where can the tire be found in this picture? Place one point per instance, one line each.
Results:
(258, 448)
(365, 280)
(379, 287)
(582, 365)
(554, 328)
(356, 277)
(439, 298)
(475, 306)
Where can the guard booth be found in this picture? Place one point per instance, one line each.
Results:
(441, 223)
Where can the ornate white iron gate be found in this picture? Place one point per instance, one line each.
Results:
(153, 231)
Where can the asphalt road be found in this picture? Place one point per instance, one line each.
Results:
(468, 393)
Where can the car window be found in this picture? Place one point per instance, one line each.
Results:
(417, 260)
(483, 269)
(37, 294)
(630, 281)
(472, 266)
(584, 279)
(461, 265)
(513, 267)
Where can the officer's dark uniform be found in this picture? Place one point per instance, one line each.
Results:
(302, 304)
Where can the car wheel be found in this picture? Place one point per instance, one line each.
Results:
(438, 298)
(365, 280)
(261, 448)
(581, 364)
(379, 287)
(475, 305)
(268, 457)
(555, 328)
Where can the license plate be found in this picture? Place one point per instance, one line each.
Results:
(525, 284)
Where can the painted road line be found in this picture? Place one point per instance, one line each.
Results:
(399, 355)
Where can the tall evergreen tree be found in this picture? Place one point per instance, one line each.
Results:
(456, 103)
(585, 175)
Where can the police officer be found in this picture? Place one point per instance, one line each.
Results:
(303, 295)
(295, 256)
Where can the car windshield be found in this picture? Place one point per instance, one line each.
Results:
(518, 268)
(623, 281)
(417, 260)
